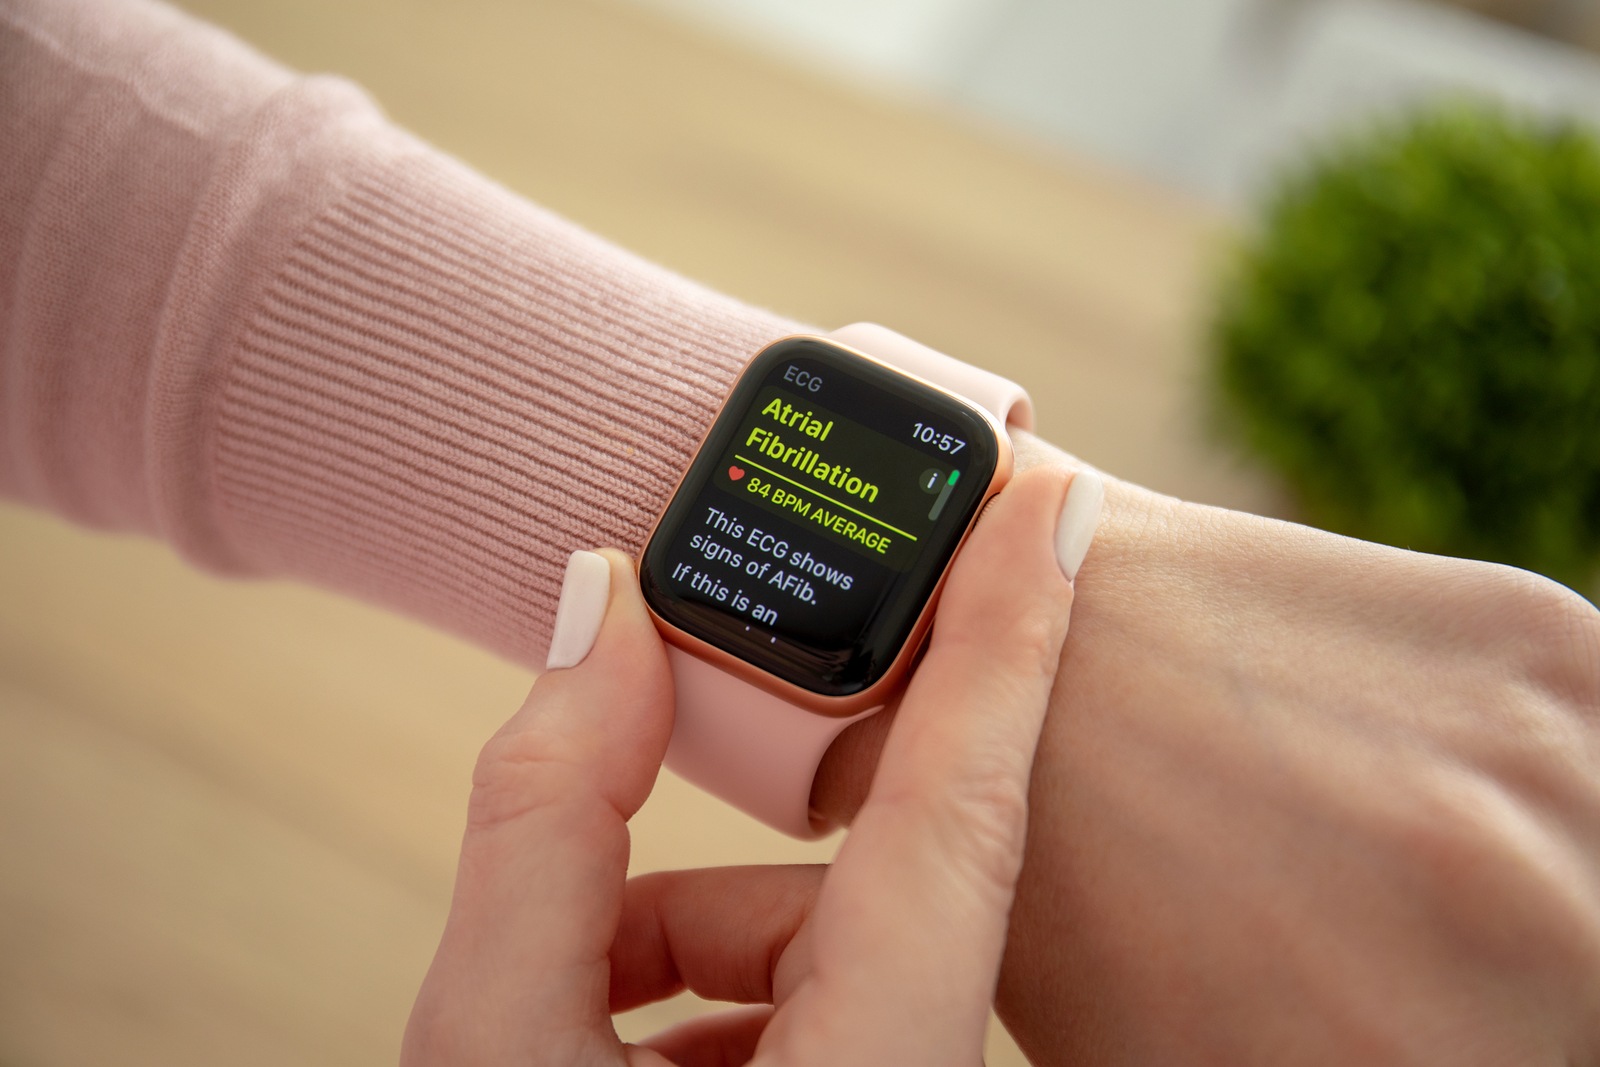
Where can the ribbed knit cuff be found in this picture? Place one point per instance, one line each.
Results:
(446, 390)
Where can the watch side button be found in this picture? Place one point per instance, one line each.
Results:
(987, 504)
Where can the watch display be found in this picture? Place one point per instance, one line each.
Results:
(819, 516)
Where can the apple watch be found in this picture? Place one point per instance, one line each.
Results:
(794, 572)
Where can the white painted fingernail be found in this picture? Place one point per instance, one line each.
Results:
(1080, 514)
(585, 591)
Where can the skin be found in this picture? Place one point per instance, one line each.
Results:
(1297, 800)
(1303, 800)
(546, 938)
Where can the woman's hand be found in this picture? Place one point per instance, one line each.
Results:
(888, 956)
(1302, 799)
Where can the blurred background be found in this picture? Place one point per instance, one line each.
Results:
(1397, 331)
(1208, 97)
(1216, 238)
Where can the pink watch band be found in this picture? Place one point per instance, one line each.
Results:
(758, 751)
(1004, 399)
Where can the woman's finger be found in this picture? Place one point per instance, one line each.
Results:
(714, 1040)
(717, 932)
(521, 971)
(906, 938)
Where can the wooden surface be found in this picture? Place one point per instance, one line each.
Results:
(229, 812)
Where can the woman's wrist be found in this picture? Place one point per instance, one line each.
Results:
(845, 774)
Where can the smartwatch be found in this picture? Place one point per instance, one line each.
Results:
(794, 572)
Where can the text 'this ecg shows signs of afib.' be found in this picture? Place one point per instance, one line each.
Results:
(756, 571)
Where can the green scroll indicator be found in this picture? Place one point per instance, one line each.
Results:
(944, 495)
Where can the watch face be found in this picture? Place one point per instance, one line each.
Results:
(819, 516)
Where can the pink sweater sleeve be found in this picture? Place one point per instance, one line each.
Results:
(241, 312)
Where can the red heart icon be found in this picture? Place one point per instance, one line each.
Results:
(735, 473)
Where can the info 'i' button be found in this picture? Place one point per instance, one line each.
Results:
(934, 480)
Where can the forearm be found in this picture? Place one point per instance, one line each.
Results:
(245, 314)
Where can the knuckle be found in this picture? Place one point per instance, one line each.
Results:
(1576, 637)
(1553, 633)
(988, 843)
(978, 822)
(1512, 894)
(1033, 640)
(513, 775)
(1020, 640)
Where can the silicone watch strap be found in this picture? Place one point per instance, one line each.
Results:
(758, 751)
(1004, 399)
(755, 750)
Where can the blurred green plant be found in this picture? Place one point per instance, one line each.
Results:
(1413, 339)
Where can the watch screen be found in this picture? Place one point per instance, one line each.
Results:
(819, 515)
